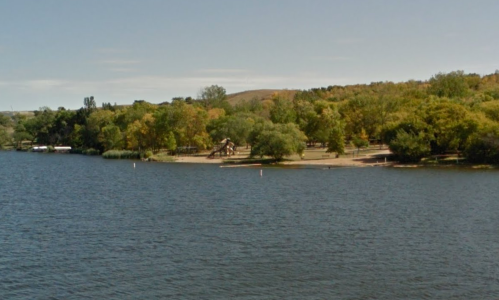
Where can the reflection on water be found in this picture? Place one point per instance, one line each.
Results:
(75, 227)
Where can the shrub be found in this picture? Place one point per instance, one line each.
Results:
(409, 147)
(121, 154)
(483, 148)
(278, 140)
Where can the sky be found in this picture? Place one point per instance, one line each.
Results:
(54, 53)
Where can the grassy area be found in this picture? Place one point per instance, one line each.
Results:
(320, 153)
(451, 159)
(121, 154)
(162, 157)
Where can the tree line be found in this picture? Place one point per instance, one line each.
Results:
(451, 112)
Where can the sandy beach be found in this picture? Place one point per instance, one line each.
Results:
(371, 159)
(362, 160)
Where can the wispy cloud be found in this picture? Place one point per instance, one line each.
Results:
(155, 88)
(43, 84)
(171, 84)
(34, 85)
(231, 83)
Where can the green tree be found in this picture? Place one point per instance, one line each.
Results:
(453, 84)
(236, 127)
(409, 147)
(21, 134)
(4, 137)
(5, 120)
(91, 131)
(111, 137)
(282, 111)
(171, 143)
(215, 97)
(62, 127)
(361, 140)
(89, 104)
(278, 141)
(336, 140)
(483, 146)
(449, 124)
(327, 120)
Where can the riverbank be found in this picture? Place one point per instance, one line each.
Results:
(312, 157)
(317, 157)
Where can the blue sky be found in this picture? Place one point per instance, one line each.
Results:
(55, 53)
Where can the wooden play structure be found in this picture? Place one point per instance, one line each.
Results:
(225, 147)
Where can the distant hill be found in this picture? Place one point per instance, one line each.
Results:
(257, 94)
(232, 98)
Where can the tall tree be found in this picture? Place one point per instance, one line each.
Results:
(278, 141)
(89, 104)
(215, 97)
(449, 85)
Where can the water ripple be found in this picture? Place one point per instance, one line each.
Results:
(76, 227)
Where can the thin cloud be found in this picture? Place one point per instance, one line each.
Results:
(171, 83)
(161, 88)
(43, 84)
(246, 82)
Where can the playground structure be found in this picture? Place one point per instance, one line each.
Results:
(224, 147)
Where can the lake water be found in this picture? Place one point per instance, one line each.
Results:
(79, 227)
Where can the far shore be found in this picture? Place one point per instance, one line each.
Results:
(371, 157)
(375, 158)
(318, 157)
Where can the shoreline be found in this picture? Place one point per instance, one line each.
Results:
(367, 160)
(374, 159)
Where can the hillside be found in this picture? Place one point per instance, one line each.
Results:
(258, 94)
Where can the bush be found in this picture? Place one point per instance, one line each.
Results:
(482, 148)
(408, 147)
(278, 140)
(121, 154)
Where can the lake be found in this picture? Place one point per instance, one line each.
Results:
(79, 227)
